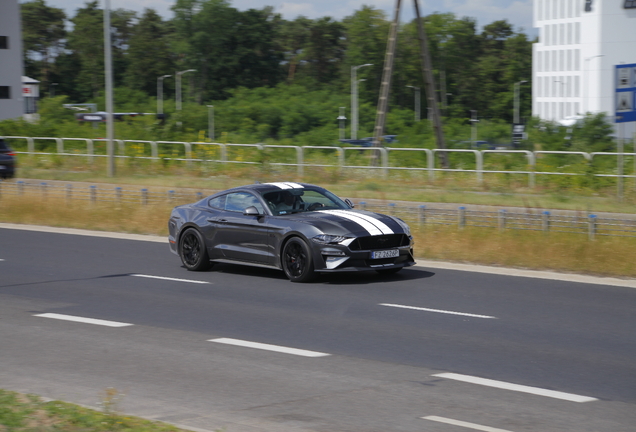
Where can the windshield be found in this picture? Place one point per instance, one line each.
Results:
(288, 201)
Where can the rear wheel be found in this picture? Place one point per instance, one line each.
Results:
(193, 252)
(297, 262)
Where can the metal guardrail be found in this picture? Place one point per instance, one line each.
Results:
(221, 155)
(415, 215)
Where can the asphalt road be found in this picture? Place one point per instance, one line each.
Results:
(427, 349)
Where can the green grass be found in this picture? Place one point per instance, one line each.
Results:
(29, 413)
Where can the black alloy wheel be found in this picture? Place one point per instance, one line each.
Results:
(193, 252)
(297, 262)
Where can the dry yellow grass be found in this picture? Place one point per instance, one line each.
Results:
(610, 256)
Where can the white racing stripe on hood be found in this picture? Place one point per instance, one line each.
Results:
(369, 224)
(378, 223)
(286, 185)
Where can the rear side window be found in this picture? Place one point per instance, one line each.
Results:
(218, 202)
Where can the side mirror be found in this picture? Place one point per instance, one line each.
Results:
(349, 203)
(251, 211)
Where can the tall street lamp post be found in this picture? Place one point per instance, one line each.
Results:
(585, 105)
(160, 93)
(211, 122)
(516, 101)
(417, 103)
(341, 119)
(474, 121)
(178, 86)
(108, 72)
(354, 100)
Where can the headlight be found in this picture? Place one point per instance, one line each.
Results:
(329, 239)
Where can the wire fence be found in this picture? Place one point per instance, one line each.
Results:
(415, 214)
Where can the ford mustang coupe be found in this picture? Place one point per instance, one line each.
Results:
(299, 228)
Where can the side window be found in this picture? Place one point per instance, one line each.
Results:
(218, 202)
(239, 201)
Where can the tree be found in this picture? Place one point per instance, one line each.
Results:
(42, 37)
(86, 41)
(149, 53)
(292, 39)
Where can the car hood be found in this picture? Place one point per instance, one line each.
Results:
(359, 223)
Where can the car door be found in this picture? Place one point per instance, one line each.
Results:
(238, 236)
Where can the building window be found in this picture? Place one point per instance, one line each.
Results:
(562, 34)
(577, 60)
(577, 33)
(4, 42)
(569, 60)
(630, 4)
(569, 33)
(30, 105)
(5, 92)
(576, 86)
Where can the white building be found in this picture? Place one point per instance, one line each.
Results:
(11, 100)
(580, 43)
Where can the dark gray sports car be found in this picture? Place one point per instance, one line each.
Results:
(296, 227)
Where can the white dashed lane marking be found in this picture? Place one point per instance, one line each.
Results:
(267, 347)
(436, 310)
(83, 320)
(464, 424)
(516, 387)
(170, 279)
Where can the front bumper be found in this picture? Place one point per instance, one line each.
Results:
(337, 258)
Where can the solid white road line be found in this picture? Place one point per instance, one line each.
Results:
(268, 347)
(436, 310)
(516, 387)
(170, 279)
(464, 424)
(83, 320)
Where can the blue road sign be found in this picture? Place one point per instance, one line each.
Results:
(625, 101)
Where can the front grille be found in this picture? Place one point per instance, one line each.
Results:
(387, 241)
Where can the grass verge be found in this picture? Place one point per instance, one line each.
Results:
(27, 413)
(606, 256)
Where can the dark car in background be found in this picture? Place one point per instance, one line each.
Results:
(299, 228)
(7, 161)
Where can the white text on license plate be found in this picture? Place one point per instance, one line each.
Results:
(391, 253)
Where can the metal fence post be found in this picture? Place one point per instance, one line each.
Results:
(43, 189)
(144, 196)
(69, 192)
(171, 195)
(591, 226)
(545, 221)
(363, 205)
(93, 190)
(502, 219)
(118, 194)
(461, 217)
(199, 195)
(392, 209)
(20, 187)
(422, 215)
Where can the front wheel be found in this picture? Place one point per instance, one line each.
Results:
(193, 252)
(297, 262)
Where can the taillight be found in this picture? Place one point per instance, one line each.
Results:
(12, 154)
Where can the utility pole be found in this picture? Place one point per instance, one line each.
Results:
(383, 102)
(429, 85)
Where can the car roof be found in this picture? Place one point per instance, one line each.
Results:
(262, 188)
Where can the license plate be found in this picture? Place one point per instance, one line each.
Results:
(391, 253)
(2, 167)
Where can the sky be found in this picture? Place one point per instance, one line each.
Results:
(517, 12)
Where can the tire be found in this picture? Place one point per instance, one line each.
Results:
(192, 250)
(389, 272)
(297, 262)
